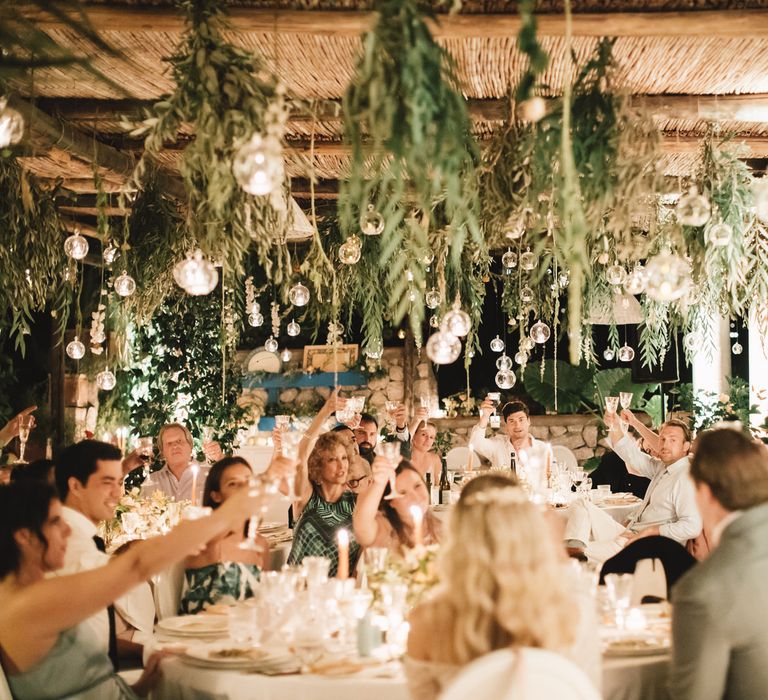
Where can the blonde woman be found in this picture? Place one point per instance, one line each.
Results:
(503, 587)
(422, 458)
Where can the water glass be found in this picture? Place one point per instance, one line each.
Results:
(241, 621)
(375, 559)
(625, 398)
(619, 587)
(316, 570)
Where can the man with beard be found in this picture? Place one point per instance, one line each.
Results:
(367, 435)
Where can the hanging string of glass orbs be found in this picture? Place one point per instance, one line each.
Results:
(195, 274)
(252, 308)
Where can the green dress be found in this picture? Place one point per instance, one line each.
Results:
(74, 668)
(218, 583)
(315, 533)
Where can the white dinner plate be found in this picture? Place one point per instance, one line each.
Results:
(194, 625)
(224, 655)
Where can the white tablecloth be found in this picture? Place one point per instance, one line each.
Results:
(633, 678)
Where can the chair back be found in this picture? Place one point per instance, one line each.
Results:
(564, 456)
(457, 459)
(166, 590)
(5, 690)
(650, 581)
(521, 674)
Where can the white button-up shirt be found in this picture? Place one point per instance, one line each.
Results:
(670, 501)
(179, 489)
(498, 450)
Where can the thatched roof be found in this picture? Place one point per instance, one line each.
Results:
(697, 60)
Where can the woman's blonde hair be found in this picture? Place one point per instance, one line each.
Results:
(325, 443)
(503, 575)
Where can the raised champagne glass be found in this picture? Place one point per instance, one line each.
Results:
(391, 452)
(25, 426)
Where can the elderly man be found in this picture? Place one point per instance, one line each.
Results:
(668, 509)
(503, 450)
(720, 607)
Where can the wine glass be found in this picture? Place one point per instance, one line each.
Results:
(290, 449)
(391, 452)
(611, 404)
(282, 423)
(254, 522)
(495, 419)
(391, 407)
(625, 398)
(357, 405)
(619, 588)
(25, 426)
(146, 450)
(207, 437)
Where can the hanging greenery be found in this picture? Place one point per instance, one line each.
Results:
(413, 159)
(227, 94)
(31, 255)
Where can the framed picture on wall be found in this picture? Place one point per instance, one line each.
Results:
(324, 358)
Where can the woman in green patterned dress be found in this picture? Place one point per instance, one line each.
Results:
(223, 571)
(325, 503)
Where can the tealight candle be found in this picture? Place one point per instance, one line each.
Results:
(342, 539)
(418, 521)
(195, 469)
(635, 620)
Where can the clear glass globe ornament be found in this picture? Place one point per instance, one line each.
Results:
(626, 353)
(521, 357)
(505, 379)
(195, 274)
(497, 344)
(532, 110)
(635, 282)
(11, 124)
(433, 321)
(509, 259)
(504, 362)
(351, 250)
(668, 276)
(432, 298)
(428, 258)
(371, 222)
(720, 234)
(285, 355)
(109, 254)
(293, 329)
(690, 342)
(443, 347)
(737, 349)
(693, 209)
(76, 246)
(540, 332)
(413, 295)
(271, 344)
(298, 295)
(563, 279)
(457, 321)
(608, 354)
(526, 295)
(615, 274)
(258, 165)
(528, 260)
(374, 349)
(760, 193)
(75, 349)
(106, 380)
(527, 344)
(255, 319)
(125, 285)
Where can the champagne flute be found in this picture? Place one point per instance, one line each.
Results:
(282, 423)
(206, 438)
(25, 426)
(391, 407)
(146, 450)
(391, 452)
(611, 404)
(290, 449)
(254, 522)
(495, 419)
(625, 398)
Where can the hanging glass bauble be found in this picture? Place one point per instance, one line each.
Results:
(433, 321)
(604, 257)
(457, 322)
(125, 285)
(528, 260)
(540, 332)
(760, 193)
(532, 110)
(271, 344)
(75, 349)
(563, 279)
(293, 329)
(690, 342)
(428, 258)
(374, 349)
(109, 254)
(11, 124)
(443, 347)
(693, 209)
(298, 295)
(720, 234)
(255, 319)
(497, 344)
(106, 380)
(258, 165)
(521, 357)
(526, 295)
(76, 246)
(351, 250)
(608, 354)
(737, 348)
(505, 379)
(371, 222)
(432, 298)
(626, 353)
(635, 282)
(196, 275)
(615, 274)
(504, 362)
(413, 295)
(668, 276)
(285, 355)
(509, 259)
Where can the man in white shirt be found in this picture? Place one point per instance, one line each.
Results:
(89, 479)
(501, 449)
(668, 509)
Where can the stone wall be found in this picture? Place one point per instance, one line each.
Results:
(581, 434)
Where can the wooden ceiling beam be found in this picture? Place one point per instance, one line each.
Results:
(709, 23)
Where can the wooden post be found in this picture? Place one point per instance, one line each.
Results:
(409, 368)
(56, 388)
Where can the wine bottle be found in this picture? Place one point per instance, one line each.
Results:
(445, 486)
(428, 479)
(513, 464)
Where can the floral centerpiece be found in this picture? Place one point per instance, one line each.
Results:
(141, 517)
(416, 569)
(460, 404)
